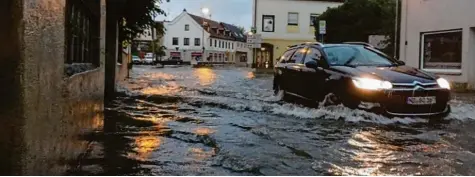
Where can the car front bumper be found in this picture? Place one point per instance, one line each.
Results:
(395, 103)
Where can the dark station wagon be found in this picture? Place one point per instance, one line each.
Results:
(353, 73)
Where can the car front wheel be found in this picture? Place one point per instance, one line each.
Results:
(279, 92)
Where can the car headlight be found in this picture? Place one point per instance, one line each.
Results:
(371, 84)
(443, 83)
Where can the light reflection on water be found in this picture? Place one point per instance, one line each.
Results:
(206, 76)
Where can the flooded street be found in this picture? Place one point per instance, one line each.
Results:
(185, 121)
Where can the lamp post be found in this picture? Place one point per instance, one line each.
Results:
(205, 12)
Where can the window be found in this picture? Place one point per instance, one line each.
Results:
(82, 33)
(268, 24)
(186, 41)
(286, 56)
(356, 56)
(197, 41)
(298, 56)
(442, 51)
(219, 42)
(313, 18)
(293, 19)
(232, 45)
(227, 45)
(175, 41)
(187, 27)
(215, 43)
(313, 54)
(211, 42)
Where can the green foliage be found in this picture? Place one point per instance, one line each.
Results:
(138, 15)
(355, 20)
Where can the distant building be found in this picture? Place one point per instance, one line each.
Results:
(285, 22)
(190, 37)
(439, 36)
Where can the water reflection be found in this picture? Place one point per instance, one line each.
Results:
(145, 145)
(203, 131)
(368, 153)
(206, 76)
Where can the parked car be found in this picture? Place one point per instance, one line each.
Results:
(136, 60)
(355, 73)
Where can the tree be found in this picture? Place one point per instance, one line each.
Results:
(241, 29)
(139, 15)
(356, 20)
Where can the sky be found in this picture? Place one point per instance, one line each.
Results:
(238, 12)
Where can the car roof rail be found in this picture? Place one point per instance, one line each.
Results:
(306, 43)
(360, 43)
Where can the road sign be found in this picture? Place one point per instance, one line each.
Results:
(254, 45)
(322, 27)
(254, 41)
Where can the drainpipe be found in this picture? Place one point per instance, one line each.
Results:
(396, 21)
(254, 51)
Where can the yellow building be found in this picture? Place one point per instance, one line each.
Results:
(285, 22)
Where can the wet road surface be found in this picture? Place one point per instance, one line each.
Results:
(184, 121)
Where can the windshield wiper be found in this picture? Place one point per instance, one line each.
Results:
(349, 61)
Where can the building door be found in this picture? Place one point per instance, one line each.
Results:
(265, 56)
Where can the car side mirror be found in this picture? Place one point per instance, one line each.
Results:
(401, 62)
(311, 64)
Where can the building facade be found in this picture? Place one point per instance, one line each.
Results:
(285, 22)
(439, 36)
(57, 75)
(190, 37)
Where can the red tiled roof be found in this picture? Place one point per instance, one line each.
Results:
(212, 24)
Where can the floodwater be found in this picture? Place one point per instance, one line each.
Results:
(185, 121)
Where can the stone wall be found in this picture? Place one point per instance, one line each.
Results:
(52, 110)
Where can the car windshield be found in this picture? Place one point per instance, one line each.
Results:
(356, 56)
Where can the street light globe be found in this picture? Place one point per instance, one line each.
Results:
(205, 10)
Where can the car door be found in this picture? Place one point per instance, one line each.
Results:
(294, 69)
(282, 73)
(313, 79)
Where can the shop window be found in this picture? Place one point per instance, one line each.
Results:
(268, 24)
(441, 51)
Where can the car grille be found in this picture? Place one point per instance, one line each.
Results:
(397, 102)
(415, 86)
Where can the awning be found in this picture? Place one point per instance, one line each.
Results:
(175, 54)
(196, 54)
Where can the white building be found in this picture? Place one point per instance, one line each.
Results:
(285, 22)
(439, 36)
(184, 40)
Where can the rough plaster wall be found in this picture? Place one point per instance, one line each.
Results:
(57, 109)
(10, 92)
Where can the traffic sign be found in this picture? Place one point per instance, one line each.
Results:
(254, 40)
(322, 27)
(254, 45)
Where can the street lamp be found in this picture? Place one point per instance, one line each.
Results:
(205, 12)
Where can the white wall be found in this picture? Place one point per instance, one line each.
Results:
(437, 15)
(280, 9)
(176, 28)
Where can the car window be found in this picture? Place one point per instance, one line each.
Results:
(356, 56)
(287, 55)
(313, 54)
(298, 56)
